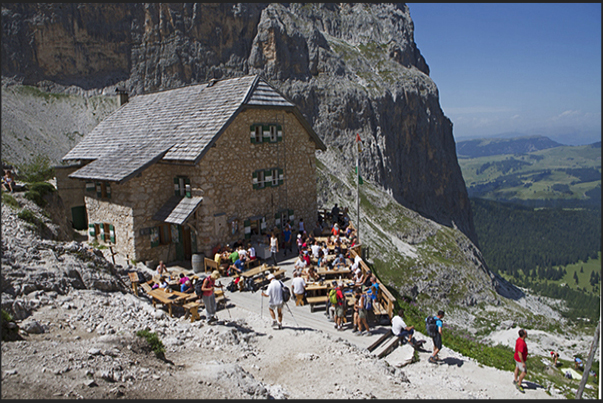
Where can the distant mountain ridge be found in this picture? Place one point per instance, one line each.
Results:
(499, 146)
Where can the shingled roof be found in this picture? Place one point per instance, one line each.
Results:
(174, 125)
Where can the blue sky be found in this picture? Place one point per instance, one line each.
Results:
(529, 68)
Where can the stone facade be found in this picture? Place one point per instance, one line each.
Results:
(224, 178)
(72, 193)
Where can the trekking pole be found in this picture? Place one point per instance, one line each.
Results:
(225, 301)
(289, 309)
(261, 304)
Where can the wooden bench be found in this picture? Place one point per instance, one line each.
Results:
(313, 301)
(211, 265)
(135, 281)
(192, 308)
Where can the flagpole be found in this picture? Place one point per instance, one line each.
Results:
(358, 188)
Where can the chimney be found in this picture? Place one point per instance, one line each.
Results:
(122, 96)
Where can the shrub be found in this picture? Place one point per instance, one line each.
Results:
(37, 191)
(29, 216)
(37, 170)
(8, 333)
(9, 200)
(154, 342)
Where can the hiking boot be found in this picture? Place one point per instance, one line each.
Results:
(274, 323)
(519, 388)
(354, 330)
(280, 325)
(432, 360)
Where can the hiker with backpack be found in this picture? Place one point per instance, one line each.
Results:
(433, 325)
(208, 295)
(275, 302)
(332, 302)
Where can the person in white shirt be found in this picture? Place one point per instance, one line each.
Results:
(315, 250)
(300, 265)
(298, 288)
(251, 252)
(242, 253)
(401, 330)
(275, 300)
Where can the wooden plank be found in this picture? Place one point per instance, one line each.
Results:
(380, 340)
(389, 347)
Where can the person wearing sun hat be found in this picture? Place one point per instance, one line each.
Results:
(275, 301)
(209, 297)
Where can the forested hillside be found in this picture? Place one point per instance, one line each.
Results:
(533, 248)
(514, 238)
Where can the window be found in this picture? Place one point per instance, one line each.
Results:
(182, 186)
(103, 190)
(254, 226)
(258, 134)
(258, 179)
(105, 231)
(268, 178)
(270, 133)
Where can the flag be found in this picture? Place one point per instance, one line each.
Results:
(359, 142)
(360, 181)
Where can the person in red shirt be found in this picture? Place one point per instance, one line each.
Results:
(521, 356)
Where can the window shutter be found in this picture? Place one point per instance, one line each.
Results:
(154, 237)
(266, 134)
(252, 134)
(291, 216)
(263, 224)
(187, 187)
(112, 233)
(281, 177)
(102, 231)
(177, 186)
(247, 225)
(90, 187)
(255, 180)
(91, 231)
(279, 133)
(277, 220)
(108, 190)
(99, 190)
(268, 178)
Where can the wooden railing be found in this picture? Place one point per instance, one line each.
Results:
(384, 297)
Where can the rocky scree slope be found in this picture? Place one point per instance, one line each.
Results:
(351, 68)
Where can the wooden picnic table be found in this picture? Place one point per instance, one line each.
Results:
(168, 298)
(257, 270)
(334, 273)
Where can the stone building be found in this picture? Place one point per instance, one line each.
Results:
(174, 173)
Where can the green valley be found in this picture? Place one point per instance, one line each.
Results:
(565, 176)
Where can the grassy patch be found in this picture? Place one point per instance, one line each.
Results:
(37, 191)
(9, 200)
(154, 342)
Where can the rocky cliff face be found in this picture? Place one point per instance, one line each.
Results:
(351, 68)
